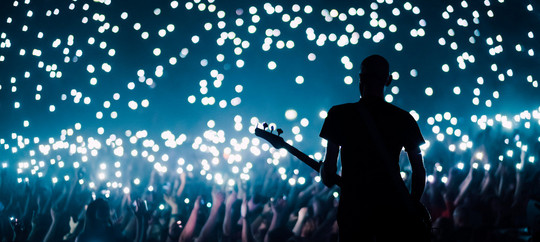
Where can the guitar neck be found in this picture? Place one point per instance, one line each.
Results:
(315, 165)
(278, 142)
(303, 157)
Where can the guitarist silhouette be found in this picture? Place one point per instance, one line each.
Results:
(370, 134)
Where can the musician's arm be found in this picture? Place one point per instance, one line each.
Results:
(418, 173)
(329, 166)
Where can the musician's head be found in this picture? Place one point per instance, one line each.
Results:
(374, 75)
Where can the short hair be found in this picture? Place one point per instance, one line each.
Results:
(375, 67)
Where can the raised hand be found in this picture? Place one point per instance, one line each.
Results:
(218, 197)
(18, 229)
(171, 201)
(244, 208)
(140, 209)
(197, 203)
(302, 213)
(279, 206)
(231, 199)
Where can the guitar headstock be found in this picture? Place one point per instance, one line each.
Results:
(274, 139)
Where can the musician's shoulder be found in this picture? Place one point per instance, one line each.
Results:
(344, 106)
(397, 109)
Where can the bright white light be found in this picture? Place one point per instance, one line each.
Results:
(145, 103)
(457, 90)
(389, 98)
(90, 68)
(348, 80)
(398, 47)
(299, 79)
(272, 65)
(133, 105)
(323, 114)
(429, 91)
(291, 114)
(312, 57)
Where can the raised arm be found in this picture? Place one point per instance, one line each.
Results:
(182, 184)
(280, 214)
(247, 235)
(210, 226)
(523, 175)
(171, 201)
(141, 215)
(302, 215)
(59, 219)
(227, 220)
(470, 183)
(189, 229)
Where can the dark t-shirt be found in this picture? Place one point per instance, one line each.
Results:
(366, 180)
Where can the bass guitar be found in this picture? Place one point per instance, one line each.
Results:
(278, 142)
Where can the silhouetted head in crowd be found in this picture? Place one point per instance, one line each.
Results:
(97, 224)
(98, 213)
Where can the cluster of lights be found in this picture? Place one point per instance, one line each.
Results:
(219, 60)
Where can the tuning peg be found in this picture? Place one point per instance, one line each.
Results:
(265, 125)
(279, 131)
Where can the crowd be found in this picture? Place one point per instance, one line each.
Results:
(487, 199)
(495, 196)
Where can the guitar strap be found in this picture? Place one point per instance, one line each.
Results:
(397, 180)
(373, 134)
